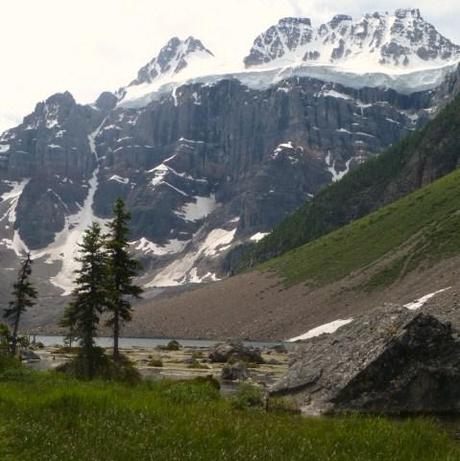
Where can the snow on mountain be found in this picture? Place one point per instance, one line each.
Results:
(397, 50)
(177, 61)
(381, 42)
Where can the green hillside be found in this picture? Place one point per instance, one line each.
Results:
(413, 163)
(422, 227)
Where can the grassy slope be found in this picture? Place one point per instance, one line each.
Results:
(422, 227)
(46, 418)
(415, 161)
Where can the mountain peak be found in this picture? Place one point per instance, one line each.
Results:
(403, 13)
(400, 39)
(172, 59)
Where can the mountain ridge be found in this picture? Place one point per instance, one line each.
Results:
(205, 169)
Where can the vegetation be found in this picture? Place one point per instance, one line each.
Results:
(173, 345)
(103, 285)
(24, 295)
(415, 161)
(419, 228)
(89, 300)
(122, 268)
(46, 417)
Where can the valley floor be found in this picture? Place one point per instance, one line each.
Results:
(258, 305)
(46, 417)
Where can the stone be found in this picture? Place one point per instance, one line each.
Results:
(234, 350)
(235, 372)
(27, 355)
(389, 360)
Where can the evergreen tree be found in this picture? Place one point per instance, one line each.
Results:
(24, 295)
(89, 298)
(122, 268)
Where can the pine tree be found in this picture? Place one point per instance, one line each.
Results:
(82, 315)
(24, 295)
(122, 268)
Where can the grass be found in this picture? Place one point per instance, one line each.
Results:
(429, 219)
(52, 417)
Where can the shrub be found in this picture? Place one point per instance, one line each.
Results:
(155, 362)
(248, 396)
(197, 365)
(172, 346)
(282, 405)
(105, 368)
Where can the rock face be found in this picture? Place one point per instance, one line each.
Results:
(390, 360)
(402, 39)
(205, 166)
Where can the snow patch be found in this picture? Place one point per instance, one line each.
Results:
(418, 303)
(336, 175)
(64, 248)
(327, 328)
(259, 236)
(178, 272)
(119, 179)
(151, 248)
(198, 209)
(333, 94)
(10, 200)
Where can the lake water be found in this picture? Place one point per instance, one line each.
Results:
(149, 343)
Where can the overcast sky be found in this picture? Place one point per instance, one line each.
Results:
(88, 46)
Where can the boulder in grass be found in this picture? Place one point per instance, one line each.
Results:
(235, 372)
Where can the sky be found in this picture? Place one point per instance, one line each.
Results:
(89, 46)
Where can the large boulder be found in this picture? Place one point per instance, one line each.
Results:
(390, 360)
(234, 350)
(28, 356)
(235, 372)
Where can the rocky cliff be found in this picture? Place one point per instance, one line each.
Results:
(206, 165)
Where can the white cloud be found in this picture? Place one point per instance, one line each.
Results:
(88, 46)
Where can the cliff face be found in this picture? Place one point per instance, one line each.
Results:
(203, 169)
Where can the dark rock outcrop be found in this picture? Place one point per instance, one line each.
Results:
(234, 350)
(390, 360)
(235, 372)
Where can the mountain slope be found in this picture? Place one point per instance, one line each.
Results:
(414, 162)
(419, 228)
(401, 253)
(206, 166)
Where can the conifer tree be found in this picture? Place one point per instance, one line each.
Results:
(89, 297)
(122, 268)
(24, 295)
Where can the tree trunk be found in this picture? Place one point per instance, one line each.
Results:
(116, 334)
(14, 341)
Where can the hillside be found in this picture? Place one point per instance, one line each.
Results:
(412, 163)
(398, 254)
(417, 230)
(211, 155)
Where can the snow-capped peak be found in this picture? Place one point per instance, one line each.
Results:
(402, 40)
(178, 61)
(174, 57)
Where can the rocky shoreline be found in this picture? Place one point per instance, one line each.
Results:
(188, 362)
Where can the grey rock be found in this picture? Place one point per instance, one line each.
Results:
(389, 360)
(234, 350)
(235, 372)
(28, 355)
